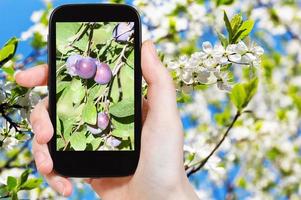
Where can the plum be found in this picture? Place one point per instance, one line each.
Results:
(103, 120)
(123, 31)
(103, 73)
(85, 67)
(94, 129)
(113, 142)
(70, 64)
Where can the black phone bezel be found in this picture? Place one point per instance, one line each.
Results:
(94, 163)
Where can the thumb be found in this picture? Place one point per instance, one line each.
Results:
(162, 127)
(161, 92)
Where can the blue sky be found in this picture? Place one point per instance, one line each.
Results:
(15, 18)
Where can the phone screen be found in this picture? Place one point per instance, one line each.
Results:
(95, 86)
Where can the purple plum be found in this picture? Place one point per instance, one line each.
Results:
(85, 67)
(123, 31)
(103, 120)
(94, 129)
(103, 73)
(113, 142)
(71, 62)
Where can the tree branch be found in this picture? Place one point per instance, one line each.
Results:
(204, 161)
(9, 120)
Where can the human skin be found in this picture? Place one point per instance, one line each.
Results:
(160, 173)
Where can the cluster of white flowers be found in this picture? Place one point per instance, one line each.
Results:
(38, 27)
(206, 66)
(161, 18)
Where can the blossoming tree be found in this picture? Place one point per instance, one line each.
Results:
(236, 66)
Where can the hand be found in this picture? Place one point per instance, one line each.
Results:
(160, 173)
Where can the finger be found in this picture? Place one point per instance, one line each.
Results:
(41, 123)
(162, 127)
(60, 184)
(42, 157)
(161, 92)
(31, 77)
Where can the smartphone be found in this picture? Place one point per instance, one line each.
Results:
(95, 89)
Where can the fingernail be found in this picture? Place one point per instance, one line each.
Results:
(61, 187)
(40, 157)
(16, 72)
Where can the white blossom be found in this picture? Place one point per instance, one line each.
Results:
(10, 142)
(200, 66)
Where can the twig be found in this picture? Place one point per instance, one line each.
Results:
(10, 121)
(88, 50)
(204, 161)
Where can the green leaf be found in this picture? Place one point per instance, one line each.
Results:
(9, 70)
(77, 90)
(237, 36)
(94, 141)
(242, 93)
(223, 117)
(247, 26)
(58, 125)
(38, 41)
(228, 25)
(66, 32)
(8, 51)
(130, 61)
(89, 113)
(11, 183)
(238, 96)
(60, 144)
(19, 91)
(65, 108)
(103, 34)
(67, 127)
(24, 176)
(61, 85)
(64, 105)
(222, 39)
(236, 23)
(274, 153)
(123, 127)
(241, 182)
(251, 89)
(78, 141)
(96, 91)
(123, 108)
(123, 85)
(31, 184)
(224, 2)
(3, 191)
(182, 97)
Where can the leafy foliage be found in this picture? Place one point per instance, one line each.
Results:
(242, 93)
(83, 99)
(237, 28)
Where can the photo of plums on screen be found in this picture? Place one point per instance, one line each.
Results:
(95, 86)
